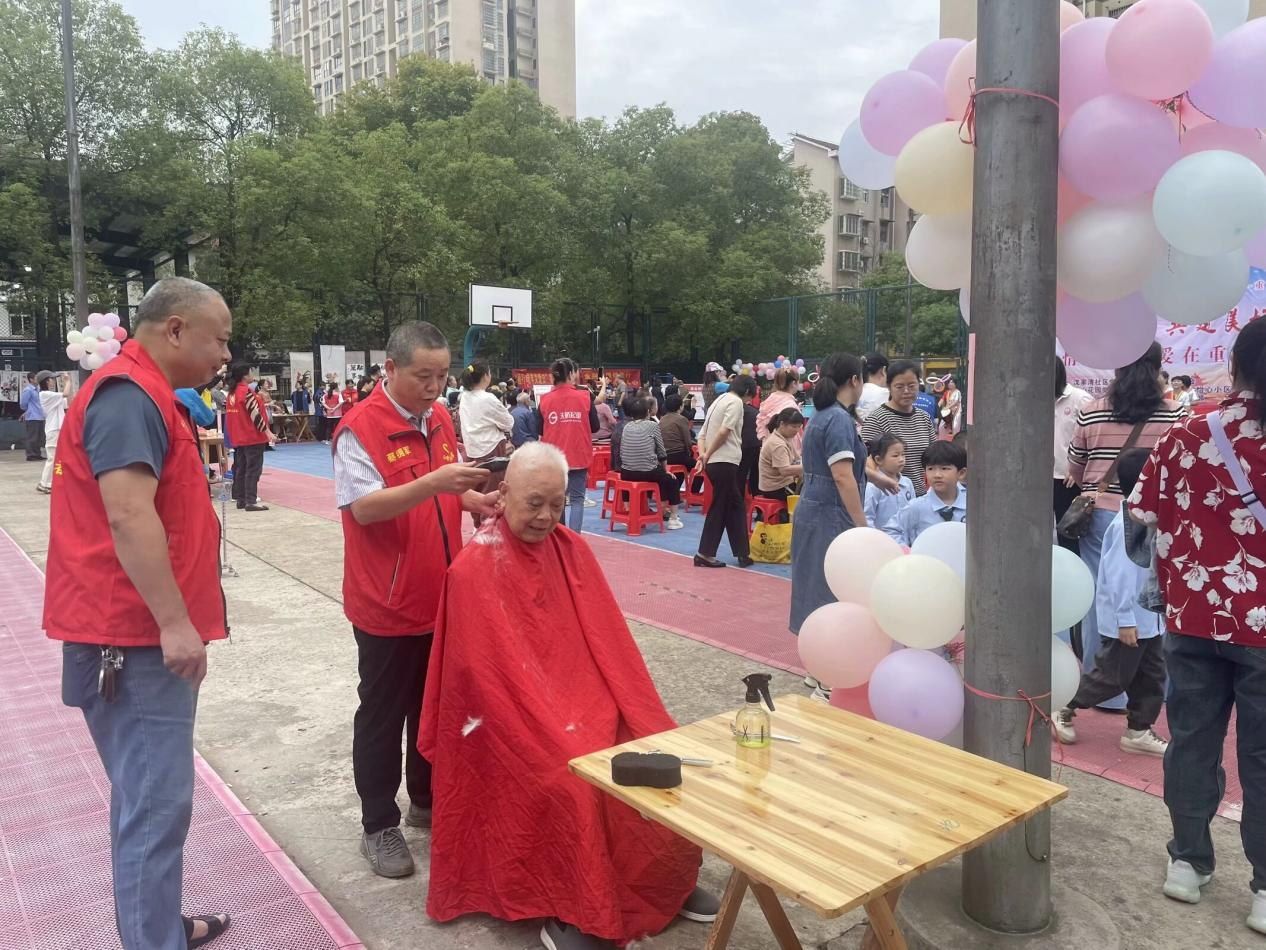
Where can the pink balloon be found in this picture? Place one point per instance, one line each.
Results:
(935, 58)
(75, 352)
(120, 334)
(898, 107)
(1231, 88)
(917, 691)
(111, 319)
(94, 319)
(1228, 138)
(958, 81)
(1255, 251)
(1105, 335)
(840, 644)
(1070, 200)
(1083, 68)
(1160, 47)
(1117, 147)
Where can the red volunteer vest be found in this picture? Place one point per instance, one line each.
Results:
(237, 417)
(393, 570)
(88, 597)
(565, 423)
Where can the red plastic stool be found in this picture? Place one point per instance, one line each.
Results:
(609, 493)
(769, 508)
(692, 494)
(599, 467)
(633, 507)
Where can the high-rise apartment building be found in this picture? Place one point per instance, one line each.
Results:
(958, 17)
(344, 42)
(864, 224)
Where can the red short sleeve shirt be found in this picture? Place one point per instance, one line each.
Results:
(1210, 549)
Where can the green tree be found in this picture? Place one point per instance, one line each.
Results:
(933, 313)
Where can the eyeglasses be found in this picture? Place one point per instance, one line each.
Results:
(905, 388)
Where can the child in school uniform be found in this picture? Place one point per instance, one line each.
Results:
(1131, 656)
(889, 453)
(946, 498)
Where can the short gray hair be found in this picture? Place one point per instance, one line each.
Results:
(538, 453)
(523, 399)
(173, 295)
(408, 338)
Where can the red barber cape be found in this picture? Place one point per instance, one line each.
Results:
(533, 665)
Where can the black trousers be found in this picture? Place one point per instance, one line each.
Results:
(392, 677)
(749, 471)
(1139, 671)
(248, 464)
(669, 485)
(34, 439)
(728, 513)
(779, 493)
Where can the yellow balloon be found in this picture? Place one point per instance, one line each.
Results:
(934, 171)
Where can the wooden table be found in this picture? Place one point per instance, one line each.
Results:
(209, 439)
(283, 421)
(842, 820)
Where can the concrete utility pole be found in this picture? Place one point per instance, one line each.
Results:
(78, 263)
(1006, 883)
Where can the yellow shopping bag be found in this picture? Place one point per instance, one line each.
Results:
(771, 543)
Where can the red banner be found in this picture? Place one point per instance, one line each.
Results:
(527, 378)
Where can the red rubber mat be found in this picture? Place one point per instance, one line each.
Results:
(54, 838)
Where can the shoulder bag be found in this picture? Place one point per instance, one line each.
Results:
(1075, 524)
(1248, 495)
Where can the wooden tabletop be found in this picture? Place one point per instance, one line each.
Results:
(854, 810)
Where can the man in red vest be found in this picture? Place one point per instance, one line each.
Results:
(569, 418)
(133, 590)
(402, 492)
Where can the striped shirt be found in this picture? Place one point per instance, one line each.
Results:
(915, 428)
(641, 446)
(1099, 438)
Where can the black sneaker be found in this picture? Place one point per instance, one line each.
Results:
(556, 935)
(418, 817)
(700, 906)
(256, 507)
(387, 853)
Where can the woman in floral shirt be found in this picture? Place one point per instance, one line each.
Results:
(1211, 563)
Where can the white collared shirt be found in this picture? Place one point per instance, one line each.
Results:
(355, 474)
(1066, 408)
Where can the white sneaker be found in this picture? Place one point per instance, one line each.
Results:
(1064, 730)
(821, 694)
(811, 682)
(1257, 916)
(1143, 742)
(1182, 883)
(590, 503)
(673, 523)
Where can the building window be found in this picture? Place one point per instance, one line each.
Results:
(356, 73)
(851, 224)
(353, 11)
(443, 55)
(442, 33)
(382, 62)
(441, 9)
(418, 20)
(354, 35)
(338, 84)
(849, 190)
(850, 261)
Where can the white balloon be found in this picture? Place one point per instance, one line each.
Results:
(74, 336)
(105, 333)
(1225, 15)
(1065, 674)
(93, 361)
(1189, 289)
(1107, 251)
(919, 601)
(1072, 589)
(852, 561)
(90, 344)
(938, 252)
(964, 304)
(861, 163)
(947, 543)
(934, 170)
(1211, 202)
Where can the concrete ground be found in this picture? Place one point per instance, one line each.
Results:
(275, 722)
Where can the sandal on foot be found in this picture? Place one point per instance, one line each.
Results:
(216, 925)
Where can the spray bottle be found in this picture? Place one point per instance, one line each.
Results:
(752, 726)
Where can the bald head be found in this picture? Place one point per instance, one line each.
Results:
(535, 490)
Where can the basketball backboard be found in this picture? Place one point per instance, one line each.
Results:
(500, 306)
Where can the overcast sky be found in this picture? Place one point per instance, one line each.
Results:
(801, 65)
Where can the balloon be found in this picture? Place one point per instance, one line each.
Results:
(1211, 203)
(90, 344)
(1224, 15)
(770, 372)
(1105, 335)
(934, 171)
(852, 561)
(917, 691)
(1228, 138)
(112, 319)
(74, 336)
(840, 644)
(1231, 88)
(799, 362)
(94, 319)
(1255, 251)
(1065, 674)
(935, 58)
(1159, 48)
(898, 106)
(964, 304)
(105, 333)
(1072, 589)
(1116, 147)
(120, 334)
(918, 601)
(93, 361)
(1083, 69)
(75, 352)
(1069, 16)
(1107, 251)
(1069, 200)
(947, 543)
(938, 251)
(861, 163)
(958, 82)
(1189, 289)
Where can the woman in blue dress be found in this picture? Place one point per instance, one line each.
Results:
(834, 483)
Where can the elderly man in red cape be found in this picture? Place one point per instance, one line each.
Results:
(533, 665)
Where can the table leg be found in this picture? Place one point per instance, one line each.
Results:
(731, 901)
(883, 932)
(776, 916)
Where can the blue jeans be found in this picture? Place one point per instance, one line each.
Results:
(1205, 679)
(577, 479)
(1091, 553)
(145, 740)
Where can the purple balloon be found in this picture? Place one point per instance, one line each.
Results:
(898, 107)
(1230, 90)
(1105, 335)
(1083, 69)
(1116, 147)
(917, 691)
(935, 58)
